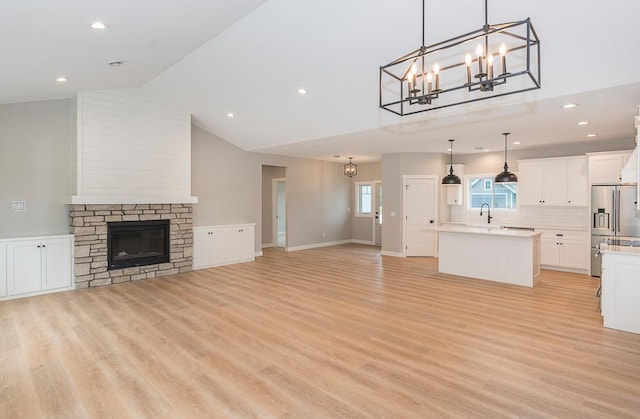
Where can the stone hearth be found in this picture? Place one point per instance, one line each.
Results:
(88, 223)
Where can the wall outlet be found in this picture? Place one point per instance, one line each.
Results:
(393, 213)
(19, 206)
(323, 234)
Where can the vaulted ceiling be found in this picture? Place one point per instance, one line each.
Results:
(250, 57)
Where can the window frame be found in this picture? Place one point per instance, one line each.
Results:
(483, 177)
(358, 200)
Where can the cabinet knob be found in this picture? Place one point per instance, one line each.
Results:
(569, 201)
(38, 246)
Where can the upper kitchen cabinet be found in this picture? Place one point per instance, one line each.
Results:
(606, 168)
(553, 182)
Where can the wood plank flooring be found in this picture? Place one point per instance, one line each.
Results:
(330, 332)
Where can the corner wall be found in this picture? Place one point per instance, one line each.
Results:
(35, 166)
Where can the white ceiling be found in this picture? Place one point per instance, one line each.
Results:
(249, 57)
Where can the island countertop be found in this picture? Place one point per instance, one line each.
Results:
(620, 250)
(489, 230)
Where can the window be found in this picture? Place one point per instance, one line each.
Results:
(497, 195)
(363, 199)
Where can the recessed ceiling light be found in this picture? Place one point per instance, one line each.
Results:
(61, 79)
(583, 123)
(230, 115)
(592, 135)
(569, 105)
(115, 63)
(98, 25)
(486, 149)
(516, 143)
(302, 91)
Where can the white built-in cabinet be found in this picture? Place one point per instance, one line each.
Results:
(554, 182)
(35, 265)
(606, 168)
(454, 193)
(223, 245)
(564, 249)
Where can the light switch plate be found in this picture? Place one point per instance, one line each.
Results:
(19, 206)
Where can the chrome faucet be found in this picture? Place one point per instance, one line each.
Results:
(489, 217)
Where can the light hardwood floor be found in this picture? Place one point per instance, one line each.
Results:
(331, 332)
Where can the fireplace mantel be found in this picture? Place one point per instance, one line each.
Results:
(124, 199)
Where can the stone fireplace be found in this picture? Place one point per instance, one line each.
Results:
(88, 223)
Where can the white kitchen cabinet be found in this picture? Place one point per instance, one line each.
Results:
(36, 265)
(3, 270)
(606, 168)
(223, 245)
(620, 297)
(553, 182)
(564, 249)
(453, 194)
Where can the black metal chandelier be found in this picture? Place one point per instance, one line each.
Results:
(451, 179)
(350, 169)
(464, 69)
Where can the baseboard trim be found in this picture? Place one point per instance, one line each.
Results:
(389, 253)
(259, 253)
(563, 269)
(316, 245)
(367, 242)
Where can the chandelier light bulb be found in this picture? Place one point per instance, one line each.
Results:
(503, 50)
(479, 50)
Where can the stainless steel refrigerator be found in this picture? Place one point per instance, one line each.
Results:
(614, 215)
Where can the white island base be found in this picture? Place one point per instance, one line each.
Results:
(498, 255)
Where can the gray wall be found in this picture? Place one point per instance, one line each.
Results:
(36, 167)
(268, 174)
(228, 184)
(394, 166)
(362, 227)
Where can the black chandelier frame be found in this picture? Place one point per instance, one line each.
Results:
(483, 82)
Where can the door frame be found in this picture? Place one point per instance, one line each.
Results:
(274, 211)
(436, 204)
(374, 204)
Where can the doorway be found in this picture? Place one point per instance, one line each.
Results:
(274, 206)
(279, 204)
(420, 215)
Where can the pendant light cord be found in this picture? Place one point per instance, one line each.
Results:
(423, 19)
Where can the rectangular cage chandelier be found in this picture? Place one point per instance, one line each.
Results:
(495, 60)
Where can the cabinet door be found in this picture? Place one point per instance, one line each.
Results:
(573, 254)
(23, 267)
(201, 248)
(247, 242)
(56, 263)
(578, 182)
(453, 194)
(549, 251)
(219, 250)
(606, 169)
(3, 270)
(529, 183)
(234, 252)
(554, 182)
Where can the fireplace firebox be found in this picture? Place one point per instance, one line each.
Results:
(137, 243)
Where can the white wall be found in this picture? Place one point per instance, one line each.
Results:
(130, 145)
(35, 166)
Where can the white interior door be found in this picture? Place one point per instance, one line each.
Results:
(420, 203)
(377, 220)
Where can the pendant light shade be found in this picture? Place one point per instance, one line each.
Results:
(451, 179)
(506, 176)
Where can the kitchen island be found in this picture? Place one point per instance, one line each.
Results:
(620, 296)
(494, 254)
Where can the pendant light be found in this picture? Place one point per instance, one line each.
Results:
(506, 176)
(451, 179)
(350, 169)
